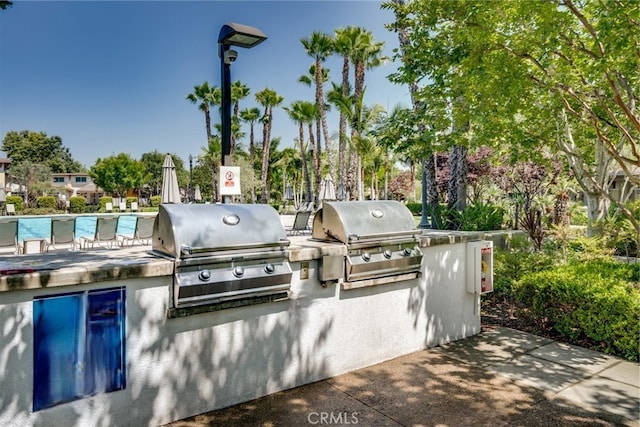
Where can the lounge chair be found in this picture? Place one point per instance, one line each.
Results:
(9, 235)
(300, 224)
(134, 206)
(123, 206)
(63, 232)
(105, 234)
(11, 209)
(108, 207)
(142, 232)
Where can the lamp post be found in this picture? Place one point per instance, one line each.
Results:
(232, 34)
(190, 178)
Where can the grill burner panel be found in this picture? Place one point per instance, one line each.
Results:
(222, 252)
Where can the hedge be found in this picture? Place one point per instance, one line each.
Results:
(598, 301)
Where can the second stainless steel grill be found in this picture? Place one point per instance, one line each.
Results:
(381, 238)
(222, 252)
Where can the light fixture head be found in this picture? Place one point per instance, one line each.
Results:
(232, 34)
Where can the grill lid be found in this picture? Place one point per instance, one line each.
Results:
(357, 221)
(184, 231)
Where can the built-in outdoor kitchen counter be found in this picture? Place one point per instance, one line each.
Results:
(131, 343)
(69, 268)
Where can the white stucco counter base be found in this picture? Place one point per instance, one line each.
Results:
(179, 367)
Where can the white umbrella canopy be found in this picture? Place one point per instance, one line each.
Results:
(197, 196)
(327, 189)
(170, 190)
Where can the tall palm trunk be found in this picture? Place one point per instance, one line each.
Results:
(429, 161)
(457, 186)
(305, 167)
(316, 164)
(342, 137)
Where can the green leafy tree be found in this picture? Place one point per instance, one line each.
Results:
(152, 162)
(534, 77)
(119, 174)
(34, 178)
(38, 148)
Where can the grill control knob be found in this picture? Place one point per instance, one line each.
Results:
(238, 271)
(204, 275)
(387, 254)
(407, 251)
(269, 268)
(366, 256)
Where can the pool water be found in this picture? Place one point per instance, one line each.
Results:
(40, 227)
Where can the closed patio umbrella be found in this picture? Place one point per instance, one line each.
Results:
(170, 190)
(197, 196)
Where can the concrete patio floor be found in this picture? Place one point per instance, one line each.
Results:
(501, 377)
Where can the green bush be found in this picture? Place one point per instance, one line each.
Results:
(415, 208)
(509, 266)
(598, 302)
(15, 200)
(155, 201)
(42, 211)
(77, 204)
(103, 202)
(46, 202)
(482, 217)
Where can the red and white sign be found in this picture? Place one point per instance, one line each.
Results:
(229, 180)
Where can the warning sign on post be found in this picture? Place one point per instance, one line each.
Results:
(229, 180)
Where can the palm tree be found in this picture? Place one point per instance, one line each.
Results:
(320, 46)
(344, 42)
(251, 115)
(238, 91)
(206, 96)
(299, 112)
(366, 53)
(268, 98)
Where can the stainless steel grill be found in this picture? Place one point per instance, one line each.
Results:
(222, 252)
(381, 238)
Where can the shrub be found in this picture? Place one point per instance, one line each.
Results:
(155, 201)
(415, 208)
(103, 202)
(598, 302)
(15, 200)
(77, 204)
(482, 217)
(41, 211)
(46, 202)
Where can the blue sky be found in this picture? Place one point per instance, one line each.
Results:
(111, 77)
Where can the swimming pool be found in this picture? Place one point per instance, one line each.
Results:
(40, 227)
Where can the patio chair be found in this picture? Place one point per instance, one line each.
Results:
(142, 232)
(63, 232)
(134, 206)
(105, 234)
(9, 235)
(11, 209)
(123, 206)
(300, 224)
(108, 207)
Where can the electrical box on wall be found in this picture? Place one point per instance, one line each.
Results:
(480, 267)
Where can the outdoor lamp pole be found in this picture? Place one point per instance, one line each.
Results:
(190, 178)
(232, 34)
